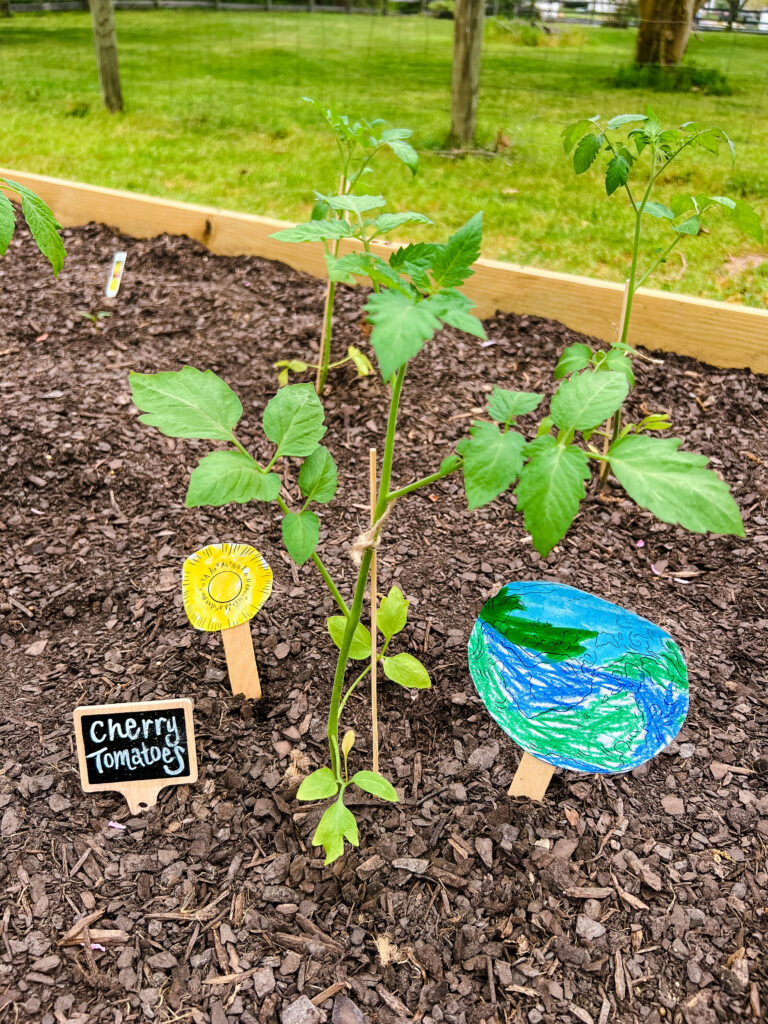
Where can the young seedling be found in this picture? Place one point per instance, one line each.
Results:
(418, 295)
(640, 152)
(39, 219)
(345, 215)
(94, 319)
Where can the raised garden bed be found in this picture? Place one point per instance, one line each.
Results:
(472, 897)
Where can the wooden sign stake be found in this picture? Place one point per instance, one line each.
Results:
(531, 778)
(374, 692)
(133, 737)
(224, 586)
(241, 661)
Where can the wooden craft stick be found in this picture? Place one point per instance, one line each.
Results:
(241, 660)
(531, 778)
(374, 693)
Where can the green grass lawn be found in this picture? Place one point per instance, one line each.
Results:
(214, 115)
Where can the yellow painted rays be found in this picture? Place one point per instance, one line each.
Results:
(224, 585)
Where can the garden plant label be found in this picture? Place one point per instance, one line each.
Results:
(136, 749)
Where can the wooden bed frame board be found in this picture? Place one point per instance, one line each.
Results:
(718, 333)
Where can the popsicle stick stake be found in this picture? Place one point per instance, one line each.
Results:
(531, 778)
(374, 692)
(241, 661)
(224, 585)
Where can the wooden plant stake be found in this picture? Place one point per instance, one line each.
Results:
(531, 778)
(374, 692)
(136, 749)
(241, 661)
(330, 291)
(224, 586)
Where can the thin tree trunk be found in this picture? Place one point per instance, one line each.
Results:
(467, 54)
(665, 28)
(5, 9)
(105, 40)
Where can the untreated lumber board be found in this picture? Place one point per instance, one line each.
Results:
(719, 333)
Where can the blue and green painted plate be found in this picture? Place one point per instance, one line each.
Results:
(577, 681)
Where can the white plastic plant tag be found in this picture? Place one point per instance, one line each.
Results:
(115, 275)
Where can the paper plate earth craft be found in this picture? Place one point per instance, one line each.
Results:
(576, 681)
(223, 587)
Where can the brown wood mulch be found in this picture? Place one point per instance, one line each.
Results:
(639, 898)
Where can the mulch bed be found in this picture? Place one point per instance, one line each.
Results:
(637, 898)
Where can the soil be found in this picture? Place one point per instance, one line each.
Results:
(630, 898)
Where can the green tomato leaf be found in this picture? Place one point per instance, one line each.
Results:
(314, 231)
(407, 671)
(390, 221)
(616, 174)
(453, 308)
(301, 531)
(360, 648)
(690, 226)
(503, 405)
(617, 122)
(418, 254)
(336, 271)
(573, 132)
(392, 613)
(293, 420)
(360, 361)
(401, 325)
(353, 204)
(7, 222)
(452, 262)
(224, 477)
(492, 461)
(674, 485)
(337, 824)
(395, 139)
(586, 151)
(680, 203)
(584, 401)
(746, 219)
(618, 361)
(658, 210)
(318, 476)
(318, 786)
(550, 490)
(576, 357)
(187, 403)
(42, 224)
(375, 784)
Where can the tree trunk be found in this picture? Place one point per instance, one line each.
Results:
(5, 9)
(105, 40)
(665, 28)
(467, 53)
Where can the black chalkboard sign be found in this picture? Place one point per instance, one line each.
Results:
(136, 749)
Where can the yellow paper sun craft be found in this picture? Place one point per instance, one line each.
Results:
(223, 586)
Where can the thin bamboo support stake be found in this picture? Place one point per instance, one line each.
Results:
(374, 693)
(619, 334)
(623, 316)
(329, 292)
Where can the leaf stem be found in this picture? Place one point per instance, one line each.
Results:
(424, 482)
